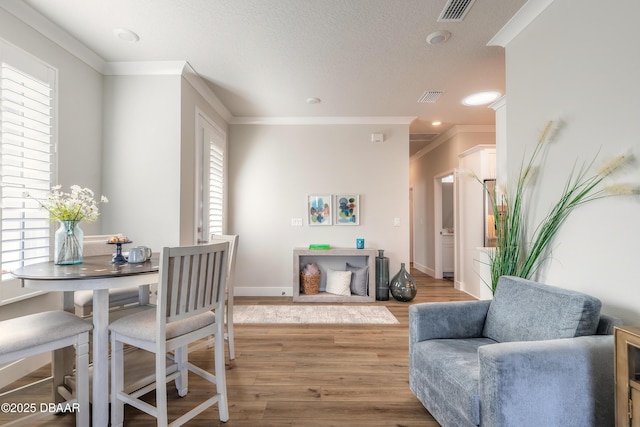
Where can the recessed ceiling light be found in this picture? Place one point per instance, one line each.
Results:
(436, 123)
(126, 35)
(438, 37)
(313, 100)
(481, 98)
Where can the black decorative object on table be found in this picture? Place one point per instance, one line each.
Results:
(118, 258)
(402, 286)
(382, 276)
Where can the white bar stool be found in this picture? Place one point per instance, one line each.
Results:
(47, 331)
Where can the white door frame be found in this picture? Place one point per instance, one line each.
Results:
(437, 221)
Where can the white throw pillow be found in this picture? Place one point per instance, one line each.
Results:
(338, 282)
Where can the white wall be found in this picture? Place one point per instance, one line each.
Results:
(141, 158)
(274, 168)
(578, 61)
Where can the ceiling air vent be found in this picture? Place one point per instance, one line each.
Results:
(430, 96)
(422, 137)
(455, 10)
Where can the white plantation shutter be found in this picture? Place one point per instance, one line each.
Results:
(215, 190)
(27, 153)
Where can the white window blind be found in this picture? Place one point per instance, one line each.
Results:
(26, 155)
(215, 189)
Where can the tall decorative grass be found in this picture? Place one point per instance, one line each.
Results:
(513, 254)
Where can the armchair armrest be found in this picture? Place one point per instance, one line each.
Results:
(557, 382)
(438, 320)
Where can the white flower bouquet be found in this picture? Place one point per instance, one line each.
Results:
(77, 205)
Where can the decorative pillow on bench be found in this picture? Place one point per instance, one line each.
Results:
(338, 282)
(359, 279)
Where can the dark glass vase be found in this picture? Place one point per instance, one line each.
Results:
(402, 286)
(382, 276)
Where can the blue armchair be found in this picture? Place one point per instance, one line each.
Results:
(535, 355)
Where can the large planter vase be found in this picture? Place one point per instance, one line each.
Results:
(382, 277)
(402, 286)
(68, 243)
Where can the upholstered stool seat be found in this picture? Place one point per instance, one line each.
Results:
(47, 331)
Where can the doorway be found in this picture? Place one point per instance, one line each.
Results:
(444, 232)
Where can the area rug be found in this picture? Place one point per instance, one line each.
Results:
(322, 314)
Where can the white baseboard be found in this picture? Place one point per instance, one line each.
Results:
(423, 268)
(257, 291)
(15, 370)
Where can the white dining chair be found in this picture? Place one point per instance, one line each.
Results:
(118, 297)
(228, 313)
(190, 307)
(43, 332)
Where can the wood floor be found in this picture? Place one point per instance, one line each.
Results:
(306, 375)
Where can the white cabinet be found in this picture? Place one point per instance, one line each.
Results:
(448, 267)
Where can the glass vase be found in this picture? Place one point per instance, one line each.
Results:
(382, 276)
(402, 286)
(68, 243)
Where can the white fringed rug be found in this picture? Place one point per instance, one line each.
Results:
(322, 314)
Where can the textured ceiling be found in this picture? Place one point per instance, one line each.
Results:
(264, 58)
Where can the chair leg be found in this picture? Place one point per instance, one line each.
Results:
(221, 376)
(82, 380)
(182, 381)
(230, 338)
(117, 381)
(161, 389)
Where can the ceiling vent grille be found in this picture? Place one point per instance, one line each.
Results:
(430, 96)
(455, 10)
(422, 137)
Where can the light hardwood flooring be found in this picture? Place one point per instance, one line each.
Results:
(305, 375)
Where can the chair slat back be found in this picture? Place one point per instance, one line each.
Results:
(231, 258)
(192, 280)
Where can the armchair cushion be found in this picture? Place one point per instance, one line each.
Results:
(523, 310)
(452, 368)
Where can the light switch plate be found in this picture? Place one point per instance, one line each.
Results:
(296, 222)
(396, 222)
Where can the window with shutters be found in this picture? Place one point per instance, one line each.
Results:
(211, 176)
(27, 158)
(215, 190)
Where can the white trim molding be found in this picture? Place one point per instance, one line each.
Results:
(44, 26)
(450, 134)
(260, 291)
(322, 120)
(170, 68)
(530, 11)
(144, 68)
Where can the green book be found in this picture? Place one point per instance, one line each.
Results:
(321, 246)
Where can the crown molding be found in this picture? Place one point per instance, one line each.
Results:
(450, 134)
(198, 83)
(144, 68)
(525, 16)
(170, 68)
(323, 120)
(38, 22)
(501, 102)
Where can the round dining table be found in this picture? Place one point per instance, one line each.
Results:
(98, 274)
